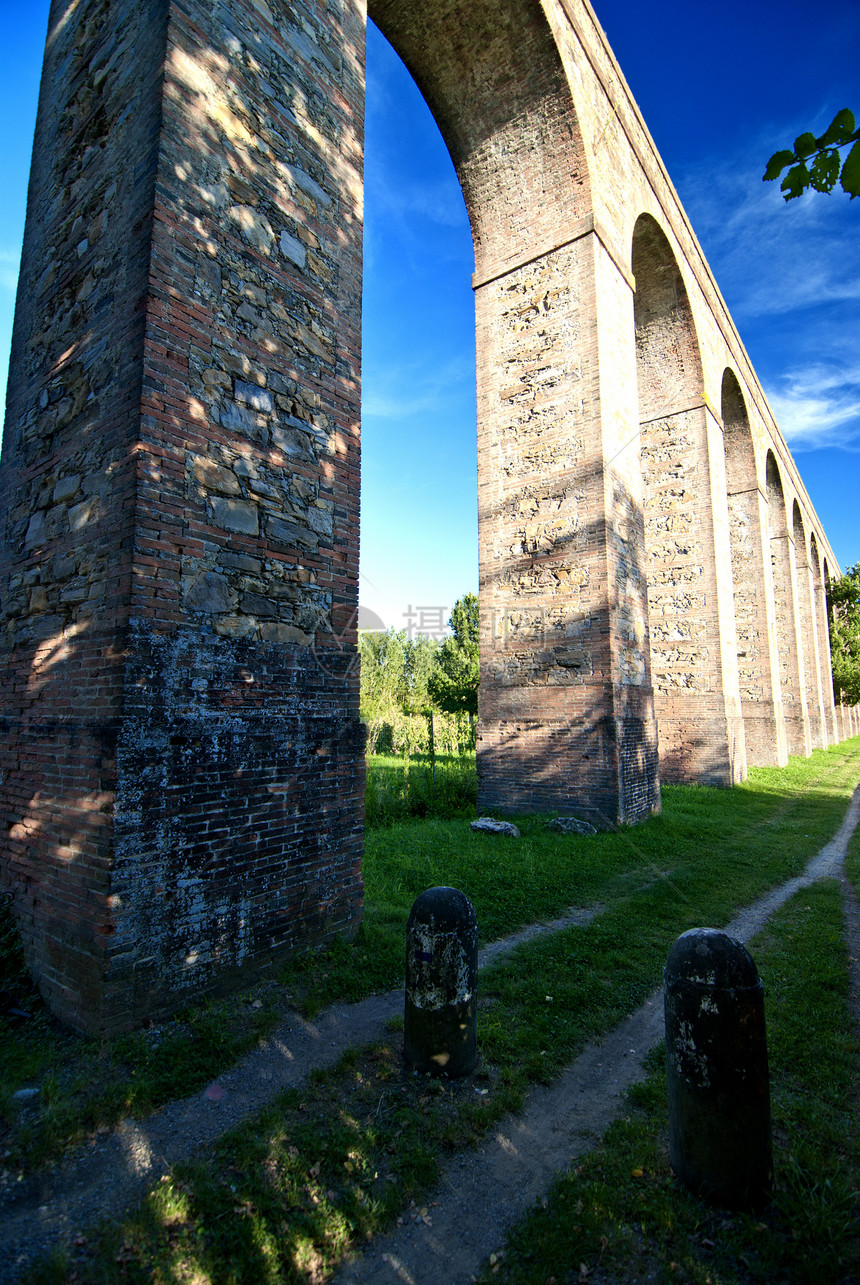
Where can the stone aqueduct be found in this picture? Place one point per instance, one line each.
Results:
(182, 753)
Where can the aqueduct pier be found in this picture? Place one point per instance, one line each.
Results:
(182, 757)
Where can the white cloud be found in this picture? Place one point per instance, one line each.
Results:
(408, 389)
(819, 406)
(790, 273)
(440, 202)
(771, 257)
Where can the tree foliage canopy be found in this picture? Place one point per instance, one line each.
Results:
(844, 616)
(405, 680)
(817, 163)
(453, 684)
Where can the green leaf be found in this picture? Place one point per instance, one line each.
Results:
(795, 182)
(825, 171)
(839, 130)
(804, 145)
(851, 172)
(776, 165)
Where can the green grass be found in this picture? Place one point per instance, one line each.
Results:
(400, 788)
(727, 844)
(328, 1165)
(709, 852)
(89, 1085)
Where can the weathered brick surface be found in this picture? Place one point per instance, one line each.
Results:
(760, 692)
(182, 759)
(184, 767)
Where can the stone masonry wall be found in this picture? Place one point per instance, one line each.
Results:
(695, 691)
(208, 620)
(69, 484)
(566, 718)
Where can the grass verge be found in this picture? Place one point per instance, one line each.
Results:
(331, 1164)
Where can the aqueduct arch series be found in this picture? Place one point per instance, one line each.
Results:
(182, 753)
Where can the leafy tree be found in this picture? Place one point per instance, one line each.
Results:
(844, 617)
(453, 685)
(421, 654)
(383, 678)
(817, 163)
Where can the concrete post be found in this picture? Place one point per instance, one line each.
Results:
(716, 1061)
(440, 1021)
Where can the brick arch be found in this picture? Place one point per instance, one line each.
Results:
(181, 479)
(694, 668)
(182, 761)
(741, 471)
(752, 583)
(492, 76)
(669, 362)
(787, 614)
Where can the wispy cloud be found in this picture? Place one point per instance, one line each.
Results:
(790, 273)
(771, 257)
(819, 406)
(440, 202)
(408, 389)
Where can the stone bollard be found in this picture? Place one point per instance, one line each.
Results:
(440, 1031)
(716, 1061)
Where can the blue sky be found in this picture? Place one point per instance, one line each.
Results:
(721, 87)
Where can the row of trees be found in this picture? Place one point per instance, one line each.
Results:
(419, 694)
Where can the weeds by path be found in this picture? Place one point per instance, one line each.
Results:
(284, 1196)
(401, 788)
(620, 1216)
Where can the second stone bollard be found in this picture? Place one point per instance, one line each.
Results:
(440, 1019)
(716, 1062)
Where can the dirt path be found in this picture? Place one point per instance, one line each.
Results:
(481, 1193)
(104, 1180)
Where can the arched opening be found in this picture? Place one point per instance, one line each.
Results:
(218, 182)
(808, 637)
(763, 726)
(419, 540)
(491, 75)
(693, 652)
(788, 643)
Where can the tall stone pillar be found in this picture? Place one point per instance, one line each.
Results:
(182, 757)
(818, 729)
(758, 659)
(790, 646)
(566, 707)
